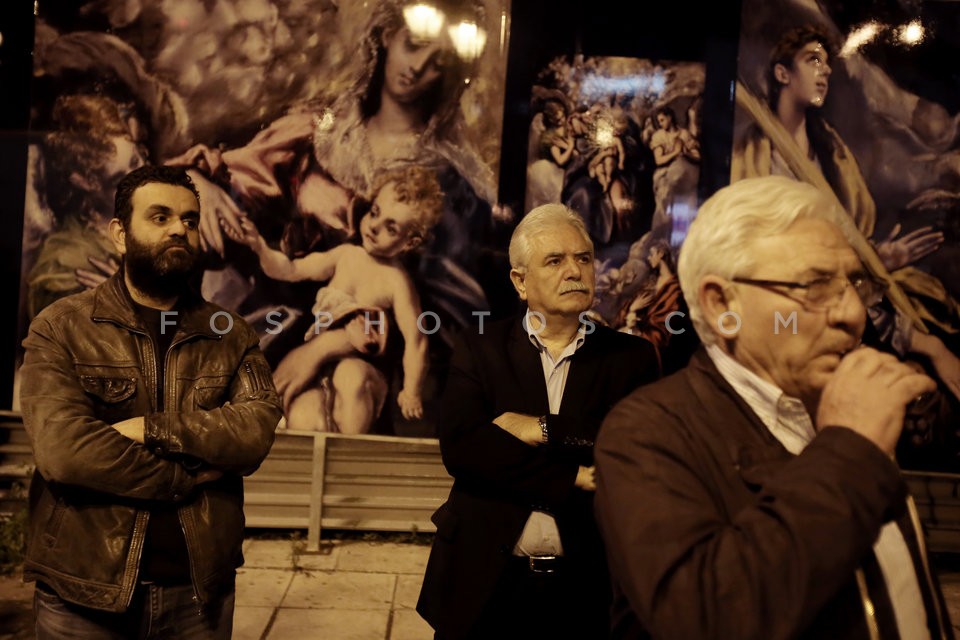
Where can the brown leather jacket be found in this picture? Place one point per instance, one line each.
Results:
(713, 530)
(90, 363)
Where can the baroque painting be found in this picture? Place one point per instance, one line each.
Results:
(842, 95)
(618, 141)
(346, 155)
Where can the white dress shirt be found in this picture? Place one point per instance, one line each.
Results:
(540, 535)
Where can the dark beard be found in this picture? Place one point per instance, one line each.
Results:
(159, 273)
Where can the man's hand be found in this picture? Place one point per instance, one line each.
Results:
(209, 475)
(869, 393)
(521, 426)
(131, 428)
(585, 479)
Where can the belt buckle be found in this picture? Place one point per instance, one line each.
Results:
(543, 564)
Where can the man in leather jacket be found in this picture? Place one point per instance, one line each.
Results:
(145, 406)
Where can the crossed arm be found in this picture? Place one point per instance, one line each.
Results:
(73, 446)
(500, 451)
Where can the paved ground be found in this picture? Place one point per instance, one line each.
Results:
(352, 590)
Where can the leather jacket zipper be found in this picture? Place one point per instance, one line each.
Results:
(193, 577)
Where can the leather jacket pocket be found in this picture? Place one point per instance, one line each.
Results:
(112, 389)
(210, 392)
(52, 530)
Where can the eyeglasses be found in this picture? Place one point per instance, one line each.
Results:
(826, 292)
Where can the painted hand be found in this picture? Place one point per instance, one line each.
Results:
(896, 253)
(217, 210)
(102, 270)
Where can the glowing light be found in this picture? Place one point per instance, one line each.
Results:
(424, 21)
(645, 84)
(468, 39)
(604, 133)
(862, 35)
(911, 33)
(324, 122)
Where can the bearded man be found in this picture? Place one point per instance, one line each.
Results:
(145, 406)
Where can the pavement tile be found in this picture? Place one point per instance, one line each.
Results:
(323, 560)
(383, 557)
(408, 625)
(268, 554)
(262, 587)
(279, 554)
(340, 590)
(329, 623)
(250, 622)
(408, 591)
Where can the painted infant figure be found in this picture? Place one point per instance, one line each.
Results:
(362, 283)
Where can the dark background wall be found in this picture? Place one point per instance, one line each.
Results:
(16, 28)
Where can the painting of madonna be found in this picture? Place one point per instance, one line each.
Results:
(399, 86)
(306, 180)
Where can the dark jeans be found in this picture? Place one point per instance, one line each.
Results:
(155, 612)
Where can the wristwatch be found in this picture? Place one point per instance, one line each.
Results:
(544, 434)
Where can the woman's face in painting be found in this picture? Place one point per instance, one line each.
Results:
(412, 66)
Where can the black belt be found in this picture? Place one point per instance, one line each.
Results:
(539, 564)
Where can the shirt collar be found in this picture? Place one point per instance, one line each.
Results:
(784, 416)
(575, 344)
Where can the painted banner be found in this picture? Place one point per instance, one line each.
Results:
(301, 122)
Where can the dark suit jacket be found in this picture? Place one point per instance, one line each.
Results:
(499, 479)
(714, 530)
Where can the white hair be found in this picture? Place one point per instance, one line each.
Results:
(720, 238)
(540, 220)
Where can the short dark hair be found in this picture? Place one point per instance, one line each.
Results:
(177, 176)
(669, 112)
(787, 47)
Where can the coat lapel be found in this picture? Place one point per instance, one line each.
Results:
(583, 375)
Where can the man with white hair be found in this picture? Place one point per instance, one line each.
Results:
(517, 553)
(754, 494)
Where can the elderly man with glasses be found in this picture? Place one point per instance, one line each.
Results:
(754, 494)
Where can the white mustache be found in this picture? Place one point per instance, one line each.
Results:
(576, 285)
